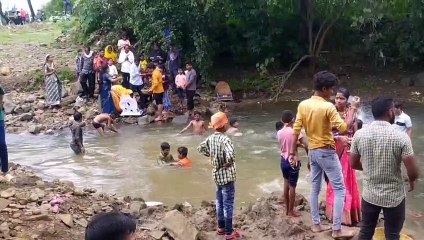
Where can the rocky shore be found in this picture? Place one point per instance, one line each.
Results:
(31, 208)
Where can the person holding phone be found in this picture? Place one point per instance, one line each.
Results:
(352, 202)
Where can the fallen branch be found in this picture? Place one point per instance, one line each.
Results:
(285, 77)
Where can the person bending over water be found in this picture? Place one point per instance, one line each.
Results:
(99, 120)
(234, 128)
(111, 226)
(183, 161)
(198, 125)
(165, 156)
(77, 134)
(318, 116)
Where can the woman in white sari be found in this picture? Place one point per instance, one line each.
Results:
(53, 85)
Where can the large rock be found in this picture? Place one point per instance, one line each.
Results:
(26, 117)
(30, 99)
(68, 100)
(4, 228)
(64, 92)
(67, 219)
(8, 106)
(76, 88)
(5, 71)
(34, 129)
(135, 208)
(145, 120)
(8, 193)
(4, 203)
(179, 227)
(182, 119)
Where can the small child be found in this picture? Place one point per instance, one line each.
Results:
(143, 64)
(77, 134)
(182, 156)
(112, 70)
(104, 120)
(199, 126)
(220, 149)
(112, 226)
(165, 156)
(278, 126)
(234, 128)
(290, 170)
(181, 83)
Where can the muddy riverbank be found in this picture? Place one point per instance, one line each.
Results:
(35, 209)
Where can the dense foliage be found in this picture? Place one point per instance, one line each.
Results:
(251, 32)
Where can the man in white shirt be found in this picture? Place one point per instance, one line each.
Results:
(135, 77)
(126, 58)
(402, 121)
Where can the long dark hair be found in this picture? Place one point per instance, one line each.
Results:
(344, 92)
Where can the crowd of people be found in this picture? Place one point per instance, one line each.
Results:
(331, 133)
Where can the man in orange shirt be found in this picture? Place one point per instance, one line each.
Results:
(158, 90)
(182, 156)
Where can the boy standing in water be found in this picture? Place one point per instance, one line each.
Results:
(290, 172)
(199, 126)
(77, 134)
(100, 127)
(165, 156)
(234, 128)
(220, 149)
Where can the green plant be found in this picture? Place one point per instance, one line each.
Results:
(36, 80)
(66, 75)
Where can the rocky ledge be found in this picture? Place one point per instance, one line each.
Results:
(31, 208)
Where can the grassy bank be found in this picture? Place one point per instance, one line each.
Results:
(39, 33)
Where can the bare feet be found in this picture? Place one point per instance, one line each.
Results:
(320, 228)
(294, 214)
(343, 234)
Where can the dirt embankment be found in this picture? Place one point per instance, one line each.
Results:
(31, 208)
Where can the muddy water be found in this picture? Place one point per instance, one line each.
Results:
(126, 164)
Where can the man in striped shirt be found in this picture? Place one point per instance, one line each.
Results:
(378, 150)
(220, 149)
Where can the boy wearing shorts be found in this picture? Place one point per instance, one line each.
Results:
(289, 169)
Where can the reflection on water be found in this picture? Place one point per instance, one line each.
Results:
(125, 163)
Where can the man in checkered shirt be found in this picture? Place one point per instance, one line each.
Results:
(378, 150)
(220, 149)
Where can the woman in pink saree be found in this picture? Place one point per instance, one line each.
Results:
(352, 206)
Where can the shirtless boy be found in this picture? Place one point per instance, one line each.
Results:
(104, 120)
(198, 125)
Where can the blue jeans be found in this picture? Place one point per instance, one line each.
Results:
(3, 149)
(326, 160)
(225, 206)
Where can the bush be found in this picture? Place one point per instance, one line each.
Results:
(66, 75)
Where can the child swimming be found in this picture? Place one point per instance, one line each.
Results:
(165, 156)
(77, 134)
(234, 128)
(183, 161)
(198, 125)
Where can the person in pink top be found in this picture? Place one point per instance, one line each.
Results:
(181, 83)
(290, 170)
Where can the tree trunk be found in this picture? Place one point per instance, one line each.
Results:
(2, 15)
(32, 11)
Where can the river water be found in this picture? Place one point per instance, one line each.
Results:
(125, 163)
